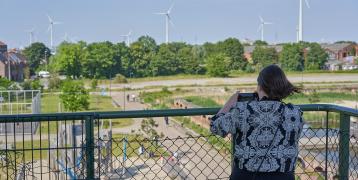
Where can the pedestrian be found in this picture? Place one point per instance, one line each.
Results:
(127, 97)
(265, 128)
(140, 150)
(166, 119)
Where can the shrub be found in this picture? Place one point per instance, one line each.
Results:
(54, 83)
(94, 84)
(5, 83)
(36, 85)
(120, 79)
(26, 85)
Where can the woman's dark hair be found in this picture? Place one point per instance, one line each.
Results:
(275, 84)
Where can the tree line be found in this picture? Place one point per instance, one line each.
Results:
(146, 58)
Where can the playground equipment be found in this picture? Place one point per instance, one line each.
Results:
(70, 163)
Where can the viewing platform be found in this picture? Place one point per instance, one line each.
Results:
(76, 147)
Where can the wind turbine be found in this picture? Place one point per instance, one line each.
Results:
(32, 34)
(300, 20)
(297, 34)
(50, 28)
(128, 36)
(261, 27)
(167, 21)
(67, 38)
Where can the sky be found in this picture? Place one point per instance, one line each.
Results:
(195, 21)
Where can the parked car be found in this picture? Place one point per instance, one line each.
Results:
(44, 74)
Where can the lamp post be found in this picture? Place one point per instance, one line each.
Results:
(9, 66)
(46, 59)
(110, 81)
(124, 97)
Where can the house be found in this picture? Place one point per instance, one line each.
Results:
(12, 63)
(340, 51)
(341, 56)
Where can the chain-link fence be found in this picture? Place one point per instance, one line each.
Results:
(74, 146)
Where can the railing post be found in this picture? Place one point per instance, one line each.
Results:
(232, 152)
(344, 134)
(89, 147)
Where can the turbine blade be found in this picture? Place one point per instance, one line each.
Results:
(261, 19)
(307, 4)
(268, 23)
(49, 28)
(259, 29)
(171, 22)
(170, 9)
(57, 22)
(49, 18)
(130, 33)
(160, 13)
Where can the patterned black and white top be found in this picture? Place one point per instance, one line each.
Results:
(253, 124)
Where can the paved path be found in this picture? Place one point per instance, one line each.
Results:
(240, 80)
(199, 160)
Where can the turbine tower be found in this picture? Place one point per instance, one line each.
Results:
(300, 20)
(32, 34)
(128, 37)
(167, 21)
(261, 27)
(50, 28)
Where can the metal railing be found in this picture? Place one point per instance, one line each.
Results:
(74, 146)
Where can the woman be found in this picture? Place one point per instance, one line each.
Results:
(266, 130)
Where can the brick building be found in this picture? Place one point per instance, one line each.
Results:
(340, 51)
(12, 63)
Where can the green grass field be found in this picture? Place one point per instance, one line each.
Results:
(50, 103)
(202, 101)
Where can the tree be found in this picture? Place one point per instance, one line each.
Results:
(263, 56)
(196, 64)
(233, 49)
(142, 53)
(123, 56)
(35, 54)
(166, 61)
(350, 42)
(217, 65)
(101, 60)
(291, 57)
(260, 43)
(74, 96)
(68, 59)
(315, 57)
(147, 126)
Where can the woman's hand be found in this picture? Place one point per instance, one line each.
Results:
(230, 103)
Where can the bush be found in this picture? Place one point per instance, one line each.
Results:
(54, 83)
(94, 84)
(36, 85)
(26, 85)
(120, 79)
(5, 83)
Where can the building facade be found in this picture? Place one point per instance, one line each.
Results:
(13, 64)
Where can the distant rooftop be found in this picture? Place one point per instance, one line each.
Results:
(250, 49)
(335, 47)
(2, 43)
